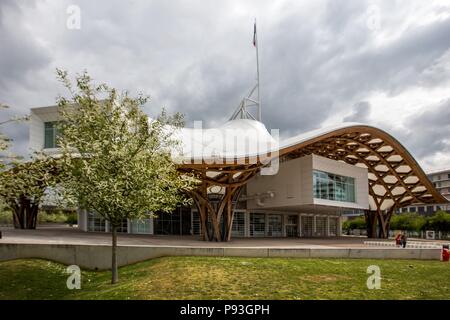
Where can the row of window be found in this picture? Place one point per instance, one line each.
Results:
(440, 177)
(422, 209)
(331, 186)
(261, 225)
(271, 225)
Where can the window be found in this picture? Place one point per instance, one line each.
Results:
(124, 227)
(331, 186)
(140, 226)
(196, 228)
(257, 224)
(167, 223)
(292, 226)
(96, 222)
(274, 225)
(307, 226)
(321, 226)
(238, 228)
(50, 135)
(333, 227)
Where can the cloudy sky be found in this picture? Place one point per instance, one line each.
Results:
(384, 63)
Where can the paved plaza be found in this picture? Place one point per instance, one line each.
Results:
(71, 235)
(60, 234)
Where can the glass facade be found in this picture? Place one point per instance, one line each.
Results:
(238, 227)
(124, 227)
(307, 226)
(333, 227)
(321, 227)
(140, 226)
(96, 222)
(331, 186)
(50, 135)
(274, 225)
(178, 222)
(257, 224)
(292, 226)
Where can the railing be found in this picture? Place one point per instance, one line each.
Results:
(409, 244)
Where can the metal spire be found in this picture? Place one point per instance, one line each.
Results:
(253, 98)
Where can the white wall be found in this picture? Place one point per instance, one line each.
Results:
(37, 119)
(293, 184)
(289, 185)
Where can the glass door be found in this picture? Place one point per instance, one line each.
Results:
(307, 226)
(274, 225)
(292, 226)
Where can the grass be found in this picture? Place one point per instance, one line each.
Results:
(231, 278)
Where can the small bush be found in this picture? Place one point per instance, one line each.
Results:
(72, 218)
(57, 217)
(6, 217)
(356, 223)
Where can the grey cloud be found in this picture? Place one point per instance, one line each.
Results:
(429, 132)
(360, 113)
(196, 57)
(20, 54)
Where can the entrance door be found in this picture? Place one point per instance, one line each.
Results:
(307, 226)
(292, 226)
(321, 226)
(274, 225)
(185, 221)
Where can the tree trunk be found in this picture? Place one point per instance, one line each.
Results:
(371, 223)
(17, 217)
(114, 271)
(25, 214)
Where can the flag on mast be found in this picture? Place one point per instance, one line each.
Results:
(254, 34)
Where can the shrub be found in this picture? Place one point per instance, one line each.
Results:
(440, 221)
(72, 218)
(6, 217)
(55, 217)
(408, 221)
(356, 223)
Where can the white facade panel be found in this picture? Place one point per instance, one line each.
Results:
(38, 118)
(293, 185)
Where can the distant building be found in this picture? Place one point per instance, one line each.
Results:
(441, 181)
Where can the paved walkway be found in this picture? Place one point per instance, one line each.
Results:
(68, 235)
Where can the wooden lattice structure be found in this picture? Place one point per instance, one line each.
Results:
(229, 179)
(395, 178)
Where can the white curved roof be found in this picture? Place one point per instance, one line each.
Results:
(395, 178)
(236, 139)
(316, 133)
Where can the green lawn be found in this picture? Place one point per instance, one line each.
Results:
(231, 278)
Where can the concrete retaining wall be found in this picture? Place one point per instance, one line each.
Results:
(98, 257)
